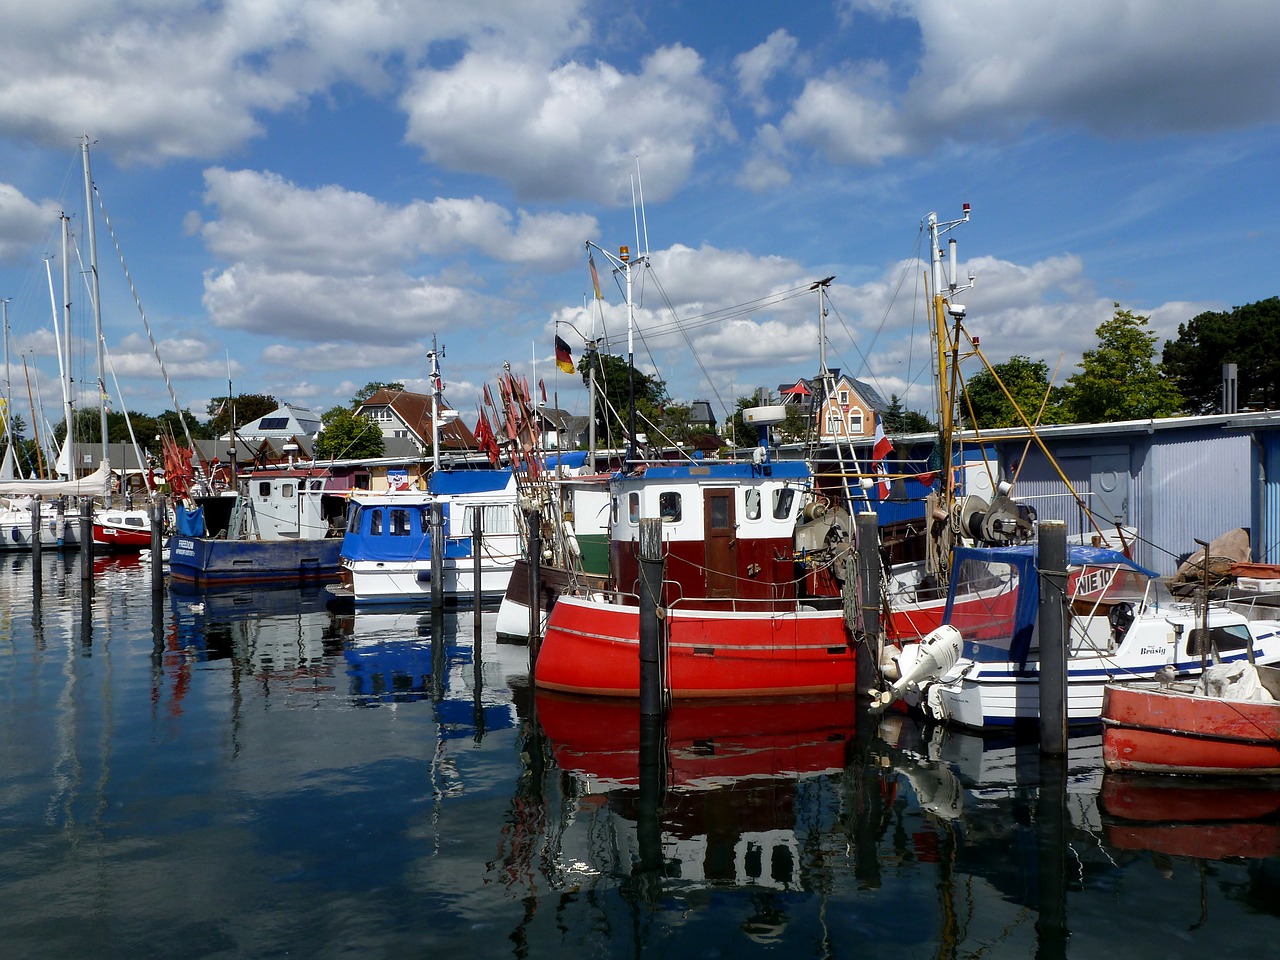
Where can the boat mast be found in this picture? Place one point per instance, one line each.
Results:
(434, 355)
(947, 343)
(8, 386)
(66, 456)
(97, 302)
(828, 392)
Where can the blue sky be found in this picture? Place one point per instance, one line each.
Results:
(306, 191)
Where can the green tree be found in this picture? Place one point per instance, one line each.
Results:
(372, 387)
(614, 409)
(1120, 379)
(347, 436)
(248, 407)
(1247, 336)
(898, 419)
(985, 405)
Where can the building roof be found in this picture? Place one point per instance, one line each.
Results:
(414, 411)
(285, 421)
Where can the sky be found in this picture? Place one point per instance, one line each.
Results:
(308, 194)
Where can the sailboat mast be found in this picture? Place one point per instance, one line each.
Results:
(64, 354)
(8, 383)
(97, 301)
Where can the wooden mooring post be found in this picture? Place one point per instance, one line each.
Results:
(1052, 613)
(86, 539)
(477, 552)
(652, 698)
(157, 545)
(437, 555)
(867, 665)
(535, 576)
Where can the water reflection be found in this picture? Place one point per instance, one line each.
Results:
(323, 782)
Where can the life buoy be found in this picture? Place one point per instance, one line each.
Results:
(571, 541)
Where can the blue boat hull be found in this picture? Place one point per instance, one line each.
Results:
(213, 562)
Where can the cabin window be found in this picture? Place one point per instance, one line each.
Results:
(782, 502)
(317, 484)
(1226, 639)
(353, 521)
(669, 506)
(264, 488)
(133, 521)
(424, 519)
(753, 504)
(633, 507)
(286, 490)
(399, 522)
(375, 523)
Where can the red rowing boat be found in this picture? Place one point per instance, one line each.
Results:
(1208, 728)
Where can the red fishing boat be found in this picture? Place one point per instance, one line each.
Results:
(733, 615)
(1227, 722)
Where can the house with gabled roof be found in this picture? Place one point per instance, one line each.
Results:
(848, 413)
(404, 415)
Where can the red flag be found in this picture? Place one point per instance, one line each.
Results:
(564, 359)
(883, 482)
(926, 479)
(543, 388)
(488, 397)
(882, 446)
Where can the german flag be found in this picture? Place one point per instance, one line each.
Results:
(564, 359)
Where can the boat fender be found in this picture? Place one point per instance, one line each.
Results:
(571, 541)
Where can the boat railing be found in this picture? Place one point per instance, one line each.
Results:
(761, 605)
(1255, 606)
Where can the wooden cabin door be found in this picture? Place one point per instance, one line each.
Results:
(720, 534)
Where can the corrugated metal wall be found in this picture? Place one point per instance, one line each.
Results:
(1267, 543)
(1181, 485)
(1200, 485)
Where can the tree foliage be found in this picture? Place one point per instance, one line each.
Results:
(1120, 379)
(348, 436)
(247, 406)
(985, 405)
(898, 419)
(614, 408)
(1247, 336)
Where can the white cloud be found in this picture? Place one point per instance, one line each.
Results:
(23, 222)
(157, 79)
(270, 221)
(1119, 68)
(569, 131)
(762, 63)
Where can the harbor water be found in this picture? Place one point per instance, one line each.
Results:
(249, 773)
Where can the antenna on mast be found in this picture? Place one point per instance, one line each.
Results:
(643, 220)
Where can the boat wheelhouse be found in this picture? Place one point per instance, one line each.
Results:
(386, 550)
(282, 525)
